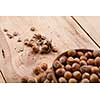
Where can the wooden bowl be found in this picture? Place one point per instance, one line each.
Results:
(65, 53)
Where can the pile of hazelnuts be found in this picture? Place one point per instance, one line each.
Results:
(42, 74)
(78, 66)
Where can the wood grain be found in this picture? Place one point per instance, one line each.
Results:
(63, 31)
(92, 25)
(1, 79)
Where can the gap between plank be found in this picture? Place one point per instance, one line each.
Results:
(3, 76)
(85, 31)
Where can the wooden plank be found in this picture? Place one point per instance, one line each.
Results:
(92, 25)
(63, 31)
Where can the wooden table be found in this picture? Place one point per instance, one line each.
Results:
(65, 33)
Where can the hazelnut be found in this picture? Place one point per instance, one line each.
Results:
(62, 80)
(67, 75)
(35, 48)
(76, 60)
(5, 30)
(49, 71)
(50, 76)
(26, 42)
(97, 61)
(70, 60)
(32, 29)
(75, 67)
(63, 59)
(79, 53)
(60, 71)
(54, 49)
(85, 80)
(83, 62)
(71, 53)
(37, 70)
(47, 81)
(44, 49)
(72, 80)
(90, 61)
(86, 75)
(94, 69)
(83, 58)
(85, 68)
(24, 79)
(77, 75)
(94, 78)
(57, 64)
(96, 53)
(44, 66)
(68, 67)
(31, 80)
(41, 77)
(88, 54)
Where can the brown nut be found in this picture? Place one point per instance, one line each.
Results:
(37, 70)
(72, 80)
(85, 68)
(67, 75)
(75, 67)
(63, 59)
(26, 42)
(44, 49)
(49, 71)
(96, 53)
(70, 60)
(24, 79)
(71, 53)
(35, 48)
(41, 77)
(79, 53)
(97, 61)
(83, 62)
(83, 58)
(44, 66)
(47, 81)
(88, 54)
(86, 75)
(94, 78)
(32, 80)
(50, 76)
(94, 69)
(68, 67)
(57, 64)
(85, 80)
(90, 61)
(62, 80)
(76, 60)
(77, 75)
(60, 71)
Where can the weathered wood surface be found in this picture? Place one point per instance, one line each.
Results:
(64, 32)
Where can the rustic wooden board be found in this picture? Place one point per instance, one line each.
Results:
(92, 25)
(63, 31)
(1, 79)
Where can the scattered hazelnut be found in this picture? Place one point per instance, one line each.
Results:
(97, 61)
(77, 75)
(26, 42)
(19, 40)
(32, 29)
(35, 49)
(54, 49)
(85, 80)
(63, 59)
(72, 80)
(76, 60)
(5, 30)
(37, 70)
(24, 79)
(44, 66)
(60, 71)
(94, 78)
(67, 75)
(86, 75)
(71, 53)
(62, 80)
(75, 67)
(50, 76)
